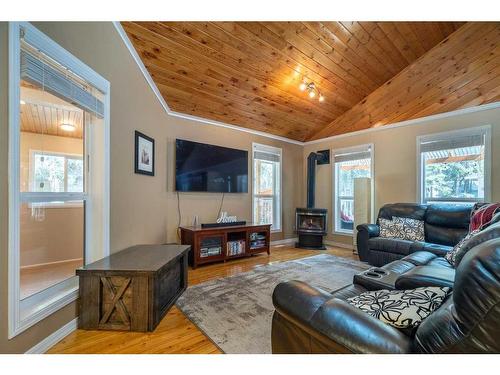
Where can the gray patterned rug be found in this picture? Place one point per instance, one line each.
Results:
(235, 312)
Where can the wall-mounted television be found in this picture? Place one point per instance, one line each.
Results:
(208, 168)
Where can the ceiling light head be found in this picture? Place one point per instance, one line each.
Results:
(312, 94)
(321, 98)
(303, 86)
(67, 127)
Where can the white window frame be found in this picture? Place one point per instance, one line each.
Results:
(483, 130)
(277, 151)
(23, 314)
(65, 155)
(336, 151)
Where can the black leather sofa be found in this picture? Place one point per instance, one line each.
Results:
(309, 320)
(445, 226)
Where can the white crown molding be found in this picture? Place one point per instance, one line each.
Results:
(439, 116)
(48, 342)
(205, 121)
(165, 106)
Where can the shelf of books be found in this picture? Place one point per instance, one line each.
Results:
(258, 241)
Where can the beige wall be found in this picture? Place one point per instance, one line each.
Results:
(143, 208)
(395, 166)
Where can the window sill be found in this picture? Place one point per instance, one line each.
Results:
(57, 205)
(39, 306)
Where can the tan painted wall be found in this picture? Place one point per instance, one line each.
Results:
(143, 208)
(395, 161)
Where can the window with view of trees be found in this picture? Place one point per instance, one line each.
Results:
(452, 166)
(267, 186)
(56, 173)
(349, 164)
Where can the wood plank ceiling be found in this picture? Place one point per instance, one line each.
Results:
(371, 73)
(43, 113)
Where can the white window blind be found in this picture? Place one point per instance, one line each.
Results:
(349, 163)
(454, 166)
(40, 73)
(267, 186)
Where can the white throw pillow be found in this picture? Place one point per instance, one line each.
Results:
(401, 308)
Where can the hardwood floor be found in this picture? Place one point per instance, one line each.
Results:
(175, 333)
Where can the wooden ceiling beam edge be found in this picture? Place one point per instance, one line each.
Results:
(412, 122)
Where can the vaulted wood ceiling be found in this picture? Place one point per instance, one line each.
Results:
(371, 73)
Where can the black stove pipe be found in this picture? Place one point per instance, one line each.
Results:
(314, 157)
(311, 179)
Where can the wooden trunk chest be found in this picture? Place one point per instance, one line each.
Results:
(132, 289)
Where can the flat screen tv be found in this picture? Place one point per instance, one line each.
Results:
(209, 168)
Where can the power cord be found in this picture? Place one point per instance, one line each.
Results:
(220, 207)
(178, 216)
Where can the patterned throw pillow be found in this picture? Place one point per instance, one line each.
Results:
(401, 308)
(482, 215)
(390, 229)
(455, 256)
(413, 229)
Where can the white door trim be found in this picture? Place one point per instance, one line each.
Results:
(24, 314)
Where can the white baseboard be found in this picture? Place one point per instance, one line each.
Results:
(284, 242)
(54, 338)
(339, 244)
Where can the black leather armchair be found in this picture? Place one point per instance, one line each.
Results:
(445, 226)
(309, 320)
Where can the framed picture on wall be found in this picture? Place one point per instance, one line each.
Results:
(144, 154)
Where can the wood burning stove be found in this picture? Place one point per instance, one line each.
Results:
(311, 223)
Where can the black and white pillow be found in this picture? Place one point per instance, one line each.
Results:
(413, 229)
(390, 229)
(401, 308)
(455, 256)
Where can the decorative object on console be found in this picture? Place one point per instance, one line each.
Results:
(223, 218)
(311, 223)
(413, 229)
(144, 154)
(400, 308)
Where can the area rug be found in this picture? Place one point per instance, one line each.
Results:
(235, 312)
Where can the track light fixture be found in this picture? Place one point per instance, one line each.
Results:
(311, 89)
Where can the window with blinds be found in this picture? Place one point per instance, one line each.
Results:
(267, 186)
(59, 174)
(348, 164)
(452, 166)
